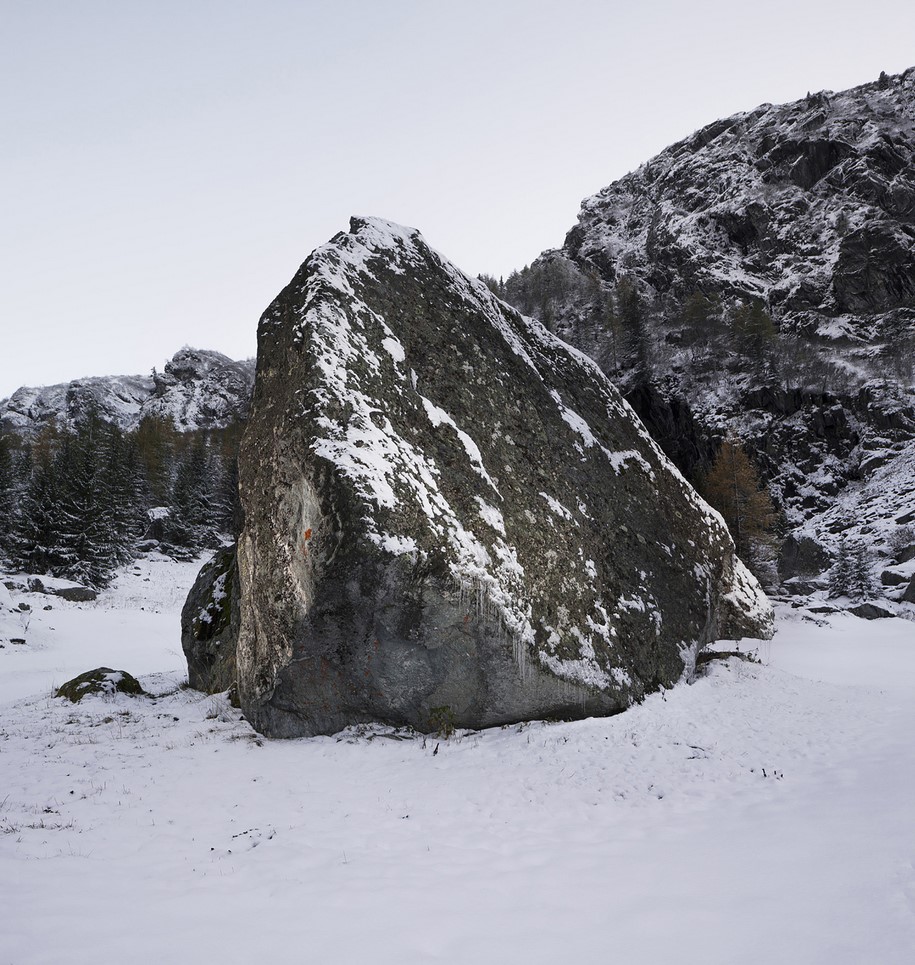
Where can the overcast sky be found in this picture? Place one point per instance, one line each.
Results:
(167, 166)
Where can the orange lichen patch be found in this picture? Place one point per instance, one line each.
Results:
(307, 534)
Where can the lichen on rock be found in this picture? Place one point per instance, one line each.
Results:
(447, 506)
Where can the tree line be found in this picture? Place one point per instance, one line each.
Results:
(77, 503)
(636, 338)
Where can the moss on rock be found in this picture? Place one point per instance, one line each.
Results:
(102, 680)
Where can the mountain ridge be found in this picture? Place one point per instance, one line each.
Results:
(197, 389)
(756, 280)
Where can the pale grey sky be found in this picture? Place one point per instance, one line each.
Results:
(167, 166)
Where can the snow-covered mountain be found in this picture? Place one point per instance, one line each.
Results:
(197, 389)
(807, 211)
(809, 206)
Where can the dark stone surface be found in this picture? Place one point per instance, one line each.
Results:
(102, 680)
(802, 556)
(209, 624)
(870, 611)
(75, 594)
(796, 587)
(889, 578)
(909, 595)
(672, 425)
(446, 507)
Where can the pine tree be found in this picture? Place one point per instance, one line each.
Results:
(35, 546)
(700, 318)
(861, 577)
(840, 577)
(755, 335)
(124, 490)
(8, 493)
(193, 519)
(156, 441)
(732, 486)
(87, 534)
(631, 314)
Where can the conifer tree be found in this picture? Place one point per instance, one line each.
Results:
(851, 573)
(631, 314)
(156, 441)
(732, 486)
(840, 577)
(8, 490)
(860, 574)
(755, 335)
(194, 515)
(35, 546)
(87, 534)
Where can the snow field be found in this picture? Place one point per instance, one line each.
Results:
(764, 813)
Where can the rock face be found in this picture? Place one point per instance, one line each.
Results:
(449, 513)
(209, 624)
(809, 208)
(197, 390)
(808, 205)
(201, 390)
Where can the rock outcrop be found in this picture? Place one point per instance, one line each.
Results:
(809, 206)
(808, 210)
(197, 390)
(209, 624)
(201, 390)
(451, 513)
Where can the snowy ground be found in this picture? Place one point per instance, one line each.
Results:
(764, 814)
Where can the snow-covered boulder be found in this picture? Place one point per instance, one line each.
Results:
(65, 589)
(209, 624)
(103, 681)
(451, 512)
(198, 389)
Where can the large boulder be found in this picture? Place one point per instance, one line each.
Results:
(209, 624)
(449, 510)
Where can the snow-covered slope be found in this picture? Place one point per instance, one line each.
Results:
(810, 208)
(761, 815)
(117, 399)
(197, 389)
(808, 205)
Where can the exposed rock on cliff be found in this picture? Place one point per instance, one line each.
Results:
(809, 206)
(198, 390)
(449, 511)
(201, 390)
(807, 210)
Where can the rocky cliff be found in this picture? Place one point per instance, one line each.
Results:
(809, 206)
(197, 389)
(452, 516)
(772, 255)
